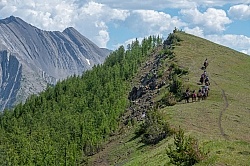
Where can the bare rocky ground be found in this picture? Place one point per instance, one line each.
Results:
(147, 85)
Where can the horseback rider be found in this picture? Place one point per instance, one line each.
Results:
(204, 93)
(203, 76)
(199, 94)
(205, 64)
(207, 81)
(199, 90)
(187, 95)
(206, 87)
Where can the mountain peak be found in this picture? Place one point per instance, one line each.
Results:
(10, 19)
(70, 30)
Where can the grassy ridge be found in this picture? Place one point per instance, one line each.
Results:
(221, 123)
(229, 72)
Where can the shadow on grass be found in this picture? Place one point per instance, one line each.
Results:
(134, 138)
(141, 147)
(247, 153)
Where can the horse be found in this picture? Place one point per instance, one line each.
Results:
(204, 93)
(186, 97)
(202, 79)
(207, 83)
(206, 90)
(193, 95)
(199, 96)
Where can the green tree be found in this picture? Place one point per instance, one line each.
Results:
(185, 151)
(154, 128)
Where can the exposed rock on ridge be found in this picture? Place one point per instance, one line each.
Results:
(31, 58)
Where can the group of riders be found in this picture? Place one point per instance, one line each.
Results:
(203, 90)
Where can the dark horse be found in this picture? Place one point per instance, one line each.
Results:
(202, 79)
(186, 96)
(202, 95)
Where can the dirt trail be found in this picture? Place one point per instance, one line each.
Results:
(223, 110)
(101, 158)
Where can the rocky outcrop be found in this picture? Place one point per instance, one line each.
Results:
(148, 87)
(32, 58)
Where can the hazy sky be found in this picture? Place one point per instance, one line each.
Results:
(110, 23)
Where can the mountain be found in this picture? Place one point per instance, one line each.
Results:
(31, 58)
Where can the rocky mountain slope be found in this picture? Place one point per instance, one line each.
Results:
(31, 58)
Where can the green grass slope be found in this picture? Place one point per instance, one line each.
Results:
(229, 94)
(221, 123)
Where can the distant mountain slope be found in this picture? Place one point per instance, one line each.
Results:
(31, 58)
(68, 122)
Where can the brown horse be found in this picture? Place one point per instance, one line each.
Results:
(194, 96)
(199, 96)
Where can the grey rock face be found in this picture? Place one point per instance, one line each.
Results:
(31, 58)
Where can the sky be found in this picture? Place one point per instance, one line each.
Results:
(111, 23)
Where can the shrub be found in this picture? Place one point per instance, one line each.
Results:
(160, 73)
(173, 38)
(154, 128)
(168, 99)
(176, 86)
(178, 70)
(186, 151)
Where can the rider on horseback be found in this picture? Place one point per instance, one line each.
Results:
(187, 95)
(207, 81)
(203, 76)
(205, 64)
(199, 94)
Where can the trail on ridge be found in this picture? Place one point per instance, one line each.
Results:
(223, 110)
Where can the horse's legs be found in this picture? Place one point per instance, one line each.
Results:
(193, 98)
(205, 95)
